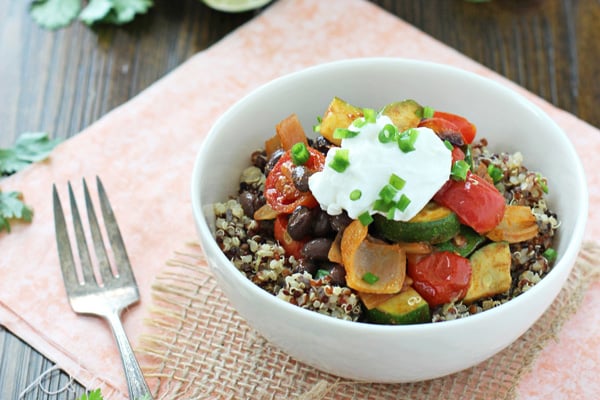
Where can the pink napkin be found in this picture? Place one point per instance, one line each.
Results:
(144, 151)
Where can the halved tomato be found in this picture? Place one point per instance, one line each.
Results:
(281, 193)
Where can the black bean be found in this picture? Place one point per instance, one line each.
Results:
(300, 178)
(300, 223)
(305, 265)
(340, 222)
(273, 160)
(317, 249)
(322, 144)
(247, 201)
(259, 159)
(320, 225)
(338, 274)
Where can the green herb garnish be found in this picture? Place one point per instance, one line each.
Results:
(299, 153)
(365, 218)
(370, 278)
(550, 254)
(459, 170)
(340, 160)
(355, 194)
(54, 14)
(495, 173)
(407, 139)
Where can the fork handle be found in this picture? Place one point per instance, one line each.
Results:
(138, 389)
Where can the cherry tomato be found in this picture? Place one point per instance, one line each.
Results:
(457, 154)
(448, 126)
(292, 247)
(441, 277)
(476, 202)
(280, 191)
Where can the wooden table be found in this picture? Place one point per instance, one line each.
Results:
(62, 81)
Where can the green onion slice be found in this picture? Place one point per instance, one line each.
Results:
(542, 182)
(387, 193)
(321, 273)
(388, 133)
(344, 133)
(495, 173)
(459, 170)
(369, 115)
(407, 139)
(370, 278)
(299, 153)
(355, 194)
(403, 202)
(365, 218)
(340, 160)
(397, 182)
(448, 145)
(428, 112)
(550, 254)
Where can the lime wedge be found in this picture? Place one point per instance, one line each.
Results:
(235, 5)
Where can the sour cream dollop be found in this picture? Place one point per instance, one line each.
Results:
(373, 165)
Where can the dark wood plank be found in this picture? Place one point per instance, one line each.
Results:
(61, 82)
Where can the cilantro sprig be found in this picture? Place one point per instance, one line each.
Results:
(97, 395)
(29, 148)
(55, 14)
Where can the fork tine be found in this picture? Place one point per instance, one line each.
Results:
(101, 256)
(82, 248)
(65, 252)
(114, 235)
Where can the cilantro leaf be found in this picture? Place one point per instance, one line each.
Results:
(29, 148)
(12, 207)
(93, 395)
(96, 10)
(116, 12)
(54, 14)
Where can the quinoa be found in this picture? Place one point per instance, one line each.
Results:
(251, 247)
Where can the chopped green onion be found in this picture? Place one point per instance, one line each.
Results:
(459, 170)
(382, 205)
(428, 112)
(397, 182)
(321, 273)
(344, 133)
(448, 145)
(387, 193)
(317, 127)
(407, 139)
(299, 153)
(550, 254)
(388, 133)
(365, 218)
(495, 173)
(340, 160)
(370, 278)
(542, 181)
(359, 122)
(355, 194)
(369, 114)
(469, 157)
(403, 202)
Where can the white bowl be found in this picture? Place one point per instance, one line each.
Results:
(371, 352)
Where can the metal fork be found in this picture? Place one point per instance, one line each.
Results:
(105, 297)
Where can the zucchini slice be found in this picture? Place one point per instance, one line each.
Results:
(463, 243)
(407, 307)
(433, 224)
(491, 272)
